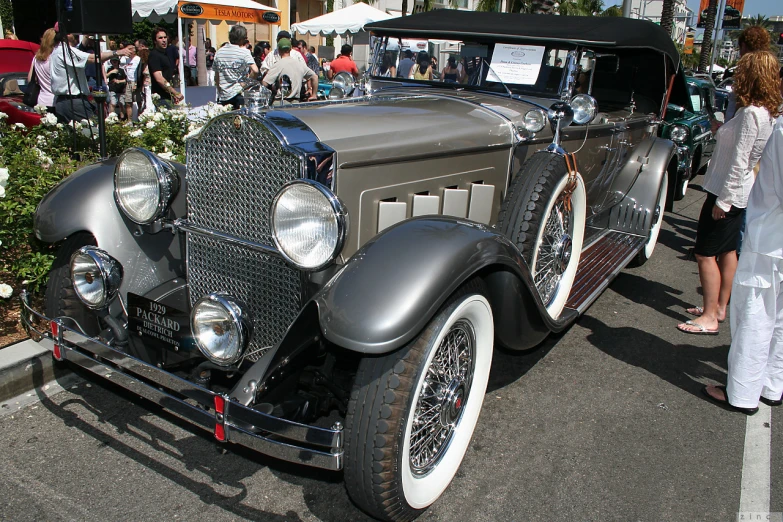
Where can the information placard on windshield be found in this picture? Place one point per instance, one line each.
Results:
(516, 64)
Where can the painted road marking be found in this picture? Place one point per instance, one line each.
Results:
(754, 496)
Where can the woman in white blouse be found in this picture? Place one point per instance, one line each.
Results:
(728, 181)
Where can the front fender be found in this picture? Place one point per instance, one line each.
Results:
(635, 213)
(84, 202)
(388, 291)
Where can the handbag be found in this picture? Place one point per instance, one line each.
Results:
(33, 89)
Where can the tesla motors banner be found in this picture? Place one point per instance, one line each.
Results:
(731, 17)
(205, 10)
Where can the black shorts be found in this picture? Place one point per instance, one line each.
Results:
(717, 237)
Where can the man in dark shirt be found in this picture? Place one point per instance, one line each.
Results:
(161, 68)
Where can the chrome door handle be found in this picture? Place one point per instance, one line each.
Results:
(607, 148)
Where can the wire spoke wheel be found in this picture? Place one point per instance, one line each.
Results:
(443, 392)
(554, 251)
(544, 215)
(413, 411)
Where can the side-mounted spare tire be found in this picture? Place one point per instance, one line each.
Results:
(412, 412)
(535, 215)
(61, 298)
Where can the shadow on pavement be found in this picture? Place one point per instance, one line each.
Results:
(509, 366)
(683, 365)
(682, 238)
(201, 452)
(658, 296)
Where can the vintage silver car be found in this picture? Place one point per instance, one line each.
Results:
(326, 282)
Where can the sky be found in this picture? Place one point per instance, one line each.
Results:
(752, 7)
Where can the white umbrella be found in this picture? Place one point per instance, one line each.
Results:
(350, 19)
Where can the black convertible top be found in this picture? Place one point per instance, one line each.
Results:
(595, 31)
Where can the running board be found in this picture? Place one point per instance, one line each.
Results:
(599, 265)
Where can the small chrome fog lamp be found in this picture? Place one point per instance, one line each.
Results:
(535, 120)
(96, 276)
(221, 328)
(585, 108)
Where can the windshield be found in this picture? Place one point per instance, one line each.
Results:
(523, 68)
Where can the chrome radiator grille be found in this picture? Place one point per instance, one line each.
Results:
(233, 175)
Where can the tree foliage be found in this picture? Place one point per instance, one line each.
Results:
(6, 14)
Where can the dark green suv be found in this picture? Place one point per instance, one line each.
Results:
(689, 129)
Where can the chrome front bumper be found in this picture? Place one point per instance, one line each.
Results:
(280, 438)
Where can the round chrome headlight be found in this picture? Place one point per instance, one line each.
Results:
(144, 185)
(585, 108)
(345, 81)
(336, 93)
(678, 133)
(96, 276)
(308, 224)
(220, 327)
(535, 120)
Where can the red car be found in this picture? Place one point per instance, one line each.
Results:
(15, 59)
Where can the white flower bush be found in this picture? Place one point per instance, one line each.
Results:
(40, 109)
(33, 161)
(5, 290)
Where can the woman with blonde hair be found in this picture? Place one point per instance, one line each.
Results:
(728, 181)
(42, 71)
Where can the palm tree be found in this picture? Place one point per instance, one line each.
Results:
(667, 15)
(588, 8)
(760, 20)
(614, 10)
(706, 43)
(581, 7)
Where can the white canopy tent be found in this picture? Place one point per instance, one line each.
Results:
(154, 10)
(350, 19)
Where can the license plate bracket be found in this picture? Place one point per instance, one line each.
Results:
(158, 325)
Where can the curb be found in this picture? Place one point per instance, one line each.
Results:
(25, 366)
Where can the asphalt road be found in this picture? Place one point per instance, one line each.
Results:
(605, 422)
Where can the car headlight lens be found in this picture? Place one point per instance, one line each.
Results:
(96, 276)
(678, 133)
(336, 93)
(344, 81)
(535, 120)
(220, 327)
(585, 108)
(143, 185)
(308, 224)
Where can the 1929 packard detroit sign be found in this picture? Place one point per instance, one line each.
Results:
(325, 282)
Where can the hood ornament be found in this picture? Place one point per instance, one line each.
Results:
(237, 122)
